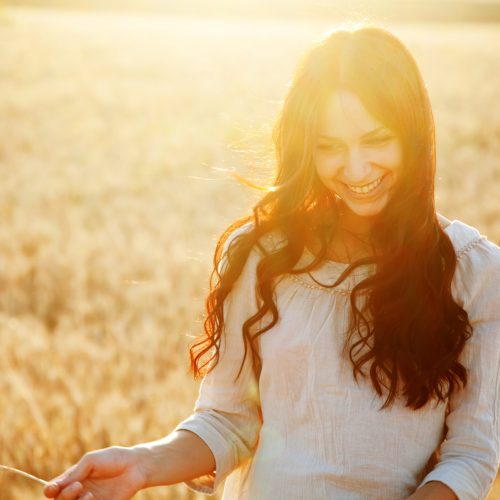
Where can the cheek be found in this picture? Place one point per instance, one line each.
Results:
(326, 166)
(387, 160)
(392, 158)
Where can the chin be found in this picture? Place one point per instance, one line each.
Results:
(367, 209)
(365, 212)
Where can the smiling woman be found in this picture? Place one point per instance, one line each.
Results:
(352, 335)
(356, 157)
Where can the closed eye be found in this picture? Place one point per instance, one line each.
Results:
(330, 147)
(379, 140)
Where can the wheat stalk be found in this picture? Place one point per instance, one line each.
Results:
(21, 473)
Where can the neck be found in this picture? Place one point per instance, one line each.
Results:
(354, 223)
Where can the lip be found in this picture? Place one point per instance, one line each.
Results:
(367, 197)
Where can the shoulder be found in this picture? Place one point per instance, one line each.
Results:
(478, 266)
(468, 242)
(236, 233)
(267, 244)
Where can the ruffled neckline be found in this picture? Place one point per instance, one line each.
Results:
(365, 269)
(333, 267)
(327, 271)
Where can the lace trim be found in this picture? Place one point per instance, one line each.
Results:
(332, 291)
(469, 246)
(343, 291)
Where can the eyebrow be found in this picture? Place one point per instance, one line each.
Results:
(364, 136)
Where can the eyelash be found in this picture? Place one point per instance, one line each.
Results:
(379, 140)
(329, 147)
(375, 141)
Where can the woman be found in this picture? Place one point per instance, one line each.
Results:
(352, 333)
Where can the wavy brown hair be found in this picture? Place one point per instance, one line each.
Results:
(406, 331)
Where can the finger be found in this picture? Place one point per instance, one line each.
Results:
(56, 485)
(77, 472)
(87, 496)
(51, 490)
(71, 492)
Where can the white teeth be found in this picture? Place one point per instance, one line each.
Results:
(366, 188)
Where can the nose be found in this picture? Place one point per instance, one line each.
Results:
(357, 167)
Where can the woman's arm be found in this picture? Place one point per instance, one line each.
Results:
(433, 490)
(119, 472)
(470, 454)
(181, 456)
(227, 412)
(202, 451)
(221, 433)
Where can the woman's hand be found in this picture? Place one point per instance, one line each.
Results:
(433, 490)
(112, 473)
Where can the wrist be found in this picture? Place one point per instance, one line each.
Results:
(160, 462)
(178, 457)
(146, 458)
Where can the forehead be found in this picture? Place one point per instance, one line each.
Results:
(345, 116)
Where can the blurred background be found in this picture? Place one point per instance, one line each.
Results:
(121, 123)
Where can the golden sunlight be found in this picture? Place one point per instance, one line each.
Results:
(122, 126)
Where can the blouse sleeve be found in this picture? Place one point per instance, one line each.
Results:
(470, 453)
(227, 412)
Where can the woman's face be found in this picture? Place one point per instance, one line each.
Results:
(356, 157)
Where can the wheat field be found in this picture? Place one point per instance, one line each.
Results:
(118, 136)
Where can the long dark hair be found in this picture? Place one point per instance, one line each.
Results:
(405, 325)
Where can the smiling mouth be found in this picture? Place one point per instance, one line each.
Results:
(366, 188)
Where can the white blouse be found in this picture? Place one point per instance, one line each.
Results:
(307, 430)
